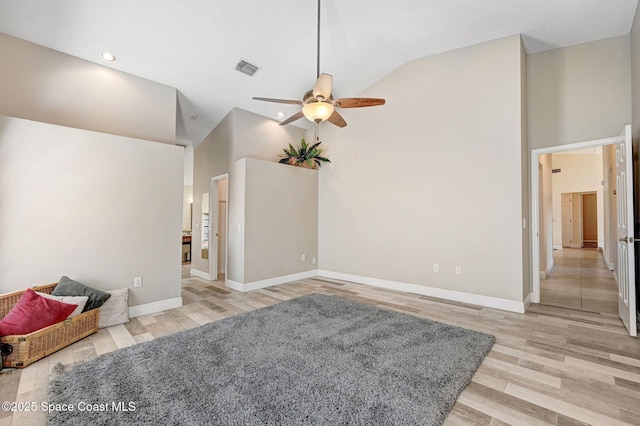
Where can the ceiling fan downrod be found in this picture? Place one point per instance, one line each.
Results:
(318, 45)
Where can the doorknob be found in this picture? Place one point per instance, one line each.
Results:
(626, 239)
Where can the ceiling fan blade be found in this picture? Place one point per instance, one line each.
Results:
(336, 119)
(322, 88)
(358, 102)
(280, 101)
(293, 118)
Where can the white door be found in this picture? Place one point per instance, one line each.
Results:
(624, 202)
(567, 223)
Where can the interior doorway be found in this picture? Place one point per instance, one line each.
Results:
(580, 220)
(577, 257)
(218, 226)
(579, 277)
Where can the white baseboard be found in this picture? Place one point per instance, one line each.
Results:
(200, 274)
(153, 307)
(543, 274)
(458, 296)
(557, 247)
(527, 301)
(576, 245)
(605, 256)
(255, 285)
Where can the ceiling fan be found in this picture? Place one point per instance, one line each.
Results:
(318, 103)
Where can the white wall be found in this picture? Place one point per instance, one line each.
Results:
(579, 93)
(42, 84)
(580, 173)
(610, 208)
(187, 200)
(99, 208)
(546, 215)
(434, 176)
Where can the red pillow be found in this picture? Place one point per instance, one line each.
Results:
(33, 312)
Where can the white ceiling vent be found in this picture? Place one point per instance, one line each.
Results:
(246, 68)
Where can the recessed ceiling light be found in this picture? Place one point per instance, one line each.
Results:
(108, 57)
(280, 114)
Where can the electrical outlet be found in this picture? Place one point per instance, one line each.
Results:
(436, 267)
(313, 261)
(303, 258)
(458, 270)
(137, 282)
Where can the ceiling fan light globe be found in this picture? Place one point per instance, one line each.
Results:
(322, 88)
(317, 111)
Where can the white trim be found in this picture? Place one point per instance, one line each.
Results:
(535, 201)
(558, 247)
(153, 307)
(200, 274)
(458, 296)
(547, 271)
(255, 285)
(527, 301)
(576, 245)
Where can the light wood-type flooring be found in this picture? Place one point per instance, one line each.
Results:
(581, 280)
(550, 366)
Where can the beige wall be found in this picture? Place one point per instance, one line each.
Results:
(524, 175)
(42, 84)
(223, 190)
(434, 176)
(579, 93)
(240, 134)
(237, 210)
(281, 220)
(99, 208)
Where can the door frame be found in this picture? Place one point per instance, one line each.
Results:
(213, 246)
(535, 202)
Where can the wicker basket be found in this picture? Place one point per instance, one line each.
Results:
(29, 348)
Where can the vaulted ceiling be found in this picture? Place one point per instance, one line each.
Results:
(194, 45)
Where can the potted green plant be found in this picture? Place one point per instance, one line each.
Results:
(304, 155)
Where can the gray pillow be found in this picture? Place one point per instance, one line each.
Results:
(69, 287)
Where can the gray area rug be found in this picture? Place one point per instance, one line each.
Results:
(315, 359)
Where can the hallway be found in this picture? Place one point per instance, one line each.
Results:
(581, 280)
